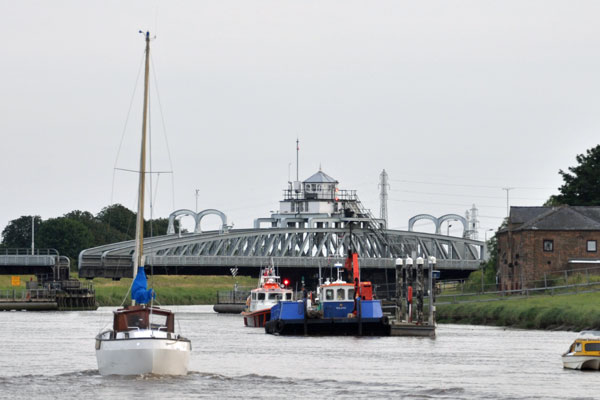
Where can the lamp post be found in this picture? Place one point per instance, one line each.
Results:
(448, 231)
(197, 194)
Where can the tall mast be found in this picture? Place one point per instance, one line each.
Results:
(139, 226)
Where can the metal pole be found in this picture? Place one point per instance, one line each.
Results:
(197, 191)
(297, 159)
(32, 234)
(431, 263)
(508, 189)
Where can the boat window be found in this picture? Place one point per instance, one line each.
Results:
(274, 296)
(288, 296)
(350, 294)
(592, 347)
(341, 294)
(136, 321)
(253, 296)
(577, 346)
(158, 321)
(329, 294)
(261, 296)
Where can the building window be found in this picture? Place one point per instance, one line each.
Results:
(548, 245)
(591, 246)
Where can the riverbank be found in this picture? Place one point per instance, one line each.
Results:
(171, 290)
(573, 312)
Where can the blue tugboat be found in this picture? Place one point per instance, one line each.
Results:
(341, 309)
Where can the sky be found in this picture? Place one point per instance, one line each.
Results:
(454, 99)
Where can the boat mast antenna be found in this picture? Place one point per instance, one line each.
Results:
(139, 239)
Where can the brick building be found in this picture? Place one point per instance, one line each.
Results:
(538, 240)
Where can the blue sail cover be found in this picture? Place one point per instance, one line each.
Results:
(139, 293)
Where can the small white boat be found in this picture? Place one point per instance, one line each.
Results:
(143, 338)
(584, 353)
(142, 341)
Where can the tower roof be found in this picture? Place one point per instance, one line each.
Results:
(320, 177)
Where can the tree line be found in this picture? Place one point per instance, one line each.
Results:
(79, 230)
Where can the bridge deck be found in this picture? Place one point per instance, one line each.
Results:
(304, 249)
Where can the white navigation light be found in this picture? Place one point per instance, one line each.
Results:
(408, 261)
(398, 261)
(420, 261)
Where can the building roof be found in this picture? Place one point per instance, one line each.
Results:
(563, 218)
(320, 177)
(520, 215)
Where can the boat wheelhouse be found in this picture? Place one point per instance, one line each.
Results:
(584, 352)
(269, 292)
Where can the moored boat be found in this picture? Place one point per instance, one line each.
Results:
(269, 292)
(584, 352)
(341, 309)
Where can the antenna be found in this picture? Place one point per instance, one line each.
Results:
(297, 159)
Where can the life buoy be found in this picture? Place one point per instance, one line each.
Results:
(28, 297)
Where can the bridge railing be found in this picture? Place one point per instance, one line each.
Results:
(27, 252)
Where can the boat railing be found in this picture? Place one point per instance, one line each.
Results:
(238, 296)
(27, 295)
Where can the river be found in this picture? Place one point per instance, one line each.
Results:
(51, 355)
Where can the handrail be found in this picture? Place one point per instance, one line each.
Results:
(28, 252)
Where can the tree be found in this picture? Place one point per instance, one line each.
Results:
(17, 234)
(66, 235)
(581, 183)
(120, 218)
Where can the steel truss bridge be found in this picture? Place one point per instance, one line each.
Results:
(298, 250)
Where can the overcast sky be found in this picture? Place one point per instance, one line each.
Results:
(455, 99)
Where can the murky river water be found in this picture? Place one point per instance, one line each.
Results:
(51, 355)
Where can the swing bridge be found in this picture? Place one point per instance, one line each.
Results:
(290, 248)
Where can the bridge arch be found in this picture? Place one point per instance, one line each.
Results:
(453, 217)
(411, 222)
(210, 211)
(178, 213)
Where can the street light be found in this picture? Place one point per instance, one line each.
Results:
(448, 232)
(197, 194)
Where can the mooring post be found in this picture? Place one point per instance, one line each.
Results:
(399, 291)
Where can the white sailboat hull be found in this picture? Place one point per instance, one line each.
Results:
(137, 356)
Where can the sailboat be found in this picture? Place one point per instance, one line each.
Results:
(143, 338)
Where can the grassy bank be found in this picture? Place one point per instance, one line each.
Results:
(565, 312)
(180, 289)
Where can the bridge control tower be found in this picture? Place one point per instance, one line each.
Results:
(318, 202)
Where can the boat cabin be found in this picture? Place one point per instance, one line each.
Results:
(336, 292)
(587, 343)
(142, 317)
(263, 298)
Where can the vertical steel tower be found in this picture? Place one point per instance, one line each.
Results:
(383, 196)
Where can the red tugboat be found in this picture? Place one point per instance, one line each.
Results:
(269, 292)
